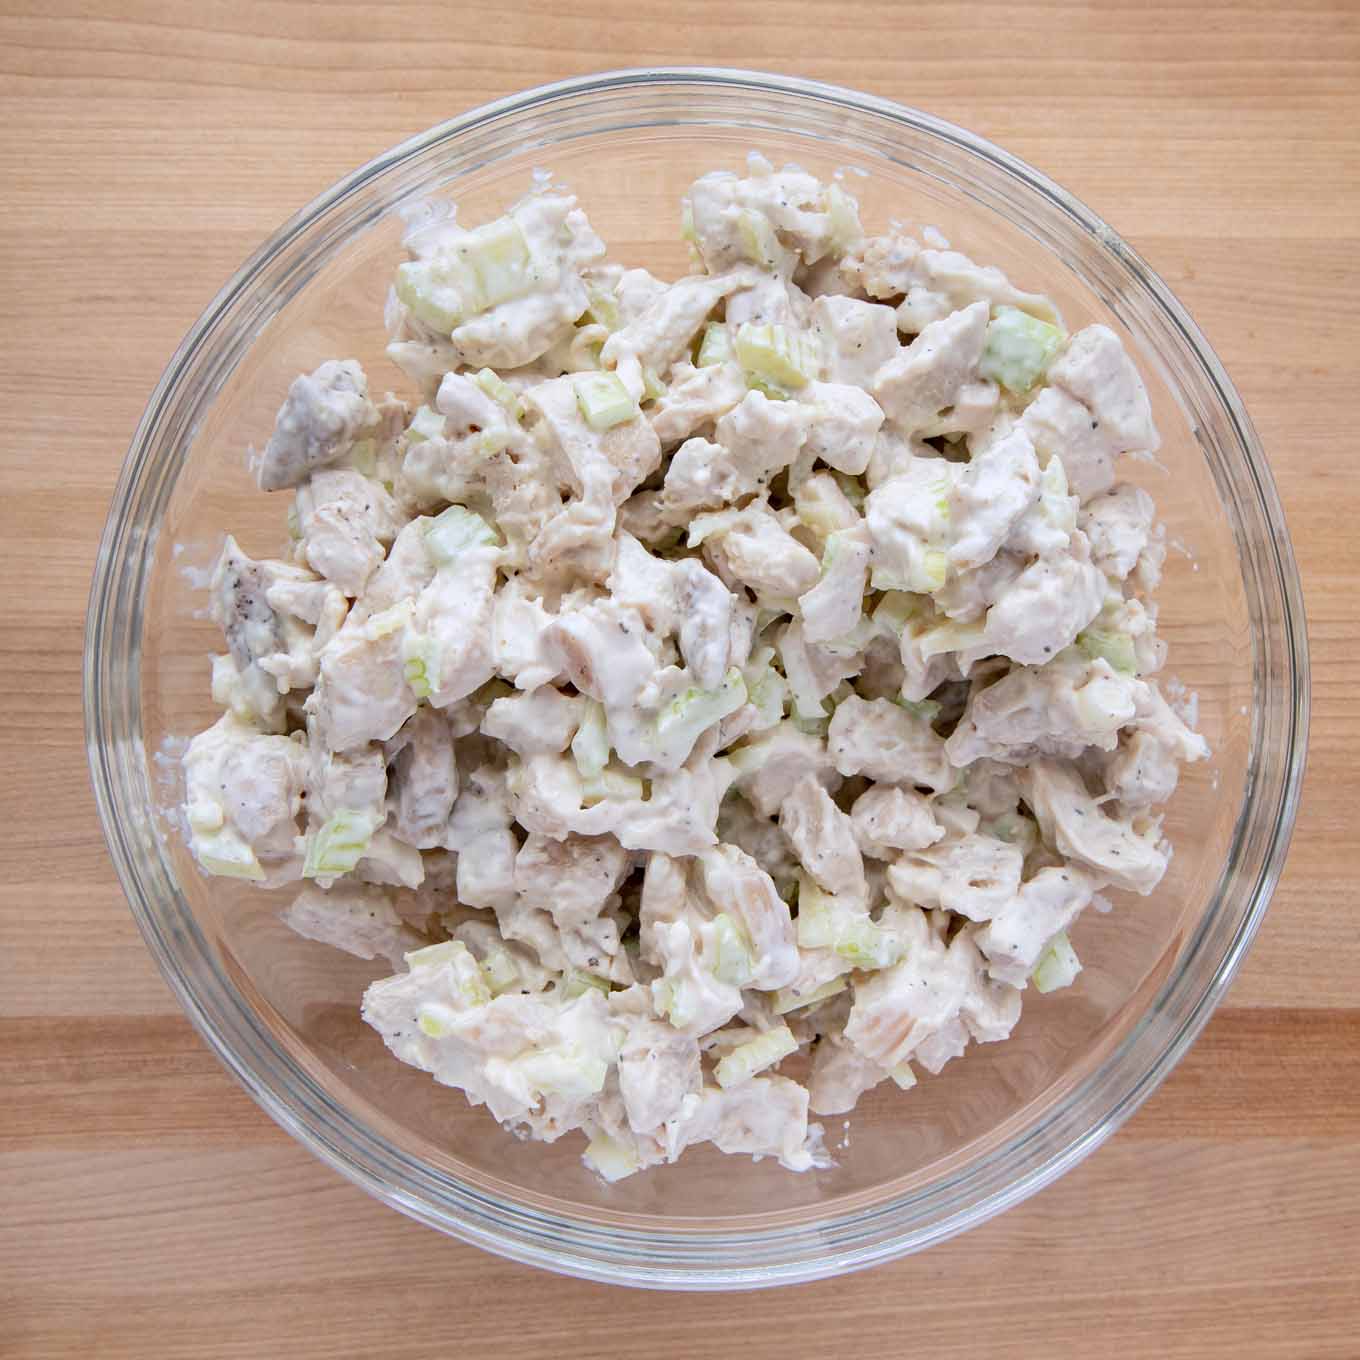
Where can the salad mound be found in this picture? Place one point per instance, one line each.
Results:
(715, 697)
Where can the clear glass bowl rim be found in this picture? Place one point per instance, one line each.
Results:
(1078, 1122)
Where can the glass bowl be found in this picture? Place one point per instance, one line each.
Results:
(911, 1167)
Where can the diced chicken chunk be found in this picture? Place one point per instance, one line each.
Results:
(359, 919)
(886, 820)
(924, 379)
(544, 720)
(974, 876)
(1127, 853)
(696, 398)
(886, 743)
(424, 778)
(842, 425)
(243, 794)
(756, 551)
(1014, 938)
(1118, 524)
(1096, 370)
(857, 337)
(574, 879)
(1044, 608)
(823, 838)
(317, 424)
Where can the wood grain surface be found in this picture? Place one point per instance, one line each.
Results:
(147, 1207)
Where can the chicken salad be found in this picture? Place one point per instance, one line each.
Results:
(715, 698)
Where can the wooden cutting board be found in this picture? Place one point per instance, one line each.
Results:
(147, 1207)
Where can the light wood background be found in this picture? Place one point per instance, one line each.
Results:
(147, 1207)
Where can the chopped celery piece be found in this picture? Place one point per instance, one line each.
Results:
(446, 951)
(1103, 705)
(903, 1076)
(696, 710)
(744, 1061)
(687, 222)
(203, 815)
(941, 489)
(716, 345)
(1055, 505)
(435, 1020)
(226, 855)
(611, 1158)
(748, 759)
(786, 999)
(339, 844)
(390, 620)
(577, 982)
(1058, 965)
(934, 569)
(469, 982)
(603, 309)
(466, 977)
(455, 531)
(498, 257)
(1014, 829)
(604, 400)
(364, 458)
(1018, 349)
(817, 503)
(715, 522)
(758, 240)
(500, 972)
(590, 745)
(827, 922)
(924, 571)
(435, 290)
(611, 784)
(843, 215)
(482, 268)
(416, 673)
(499, 390)
(427, 423)
(733, 962)
(653, 389)
(897, 608)
(420, 663)
(816, 922)
(1116, 648)
(812, 727)
(776, 356)
(835, 548)
(674, 998)
(867, 945)
(768, 694)
(852, 487)
(950, 637)
(563, 1072)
